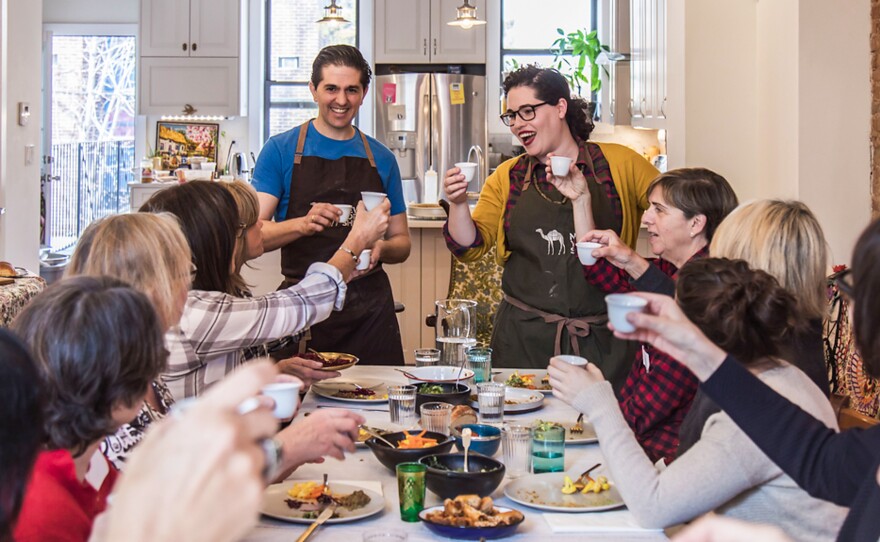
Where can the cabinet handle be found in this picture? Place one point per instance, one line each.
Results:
(629, 108)
(195, 46)
(642, 107)
(435, 46)
(663, 108)
(184, 46)
(425, 47)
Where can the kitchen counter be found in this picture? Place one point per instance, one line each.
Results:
(424, 223)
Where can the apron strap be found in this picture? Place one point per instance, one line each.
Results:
(368, 150)
(576, 327)
(528, 176)
(301, 141)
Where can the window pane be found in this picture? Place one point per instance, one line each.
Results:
(528, 24)
(544, 61)
(282, 119)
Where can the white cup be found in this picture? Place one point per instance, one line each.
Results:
(372, 199)
(286, 397)
(364, 260)
(619, 305)
(585, 252)
(468, 169)
(560, 165)
(346, 212)
(577, 361)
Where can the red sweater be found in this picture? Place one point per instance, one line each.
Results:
(57, 507)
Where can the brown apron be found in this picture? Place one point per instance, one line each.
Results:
(546, 294)
(367, 326)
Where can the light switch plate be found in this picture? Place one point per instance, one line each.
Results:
(24, 113)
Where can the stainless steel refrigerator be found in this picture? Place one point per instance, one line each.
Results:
(433, 119)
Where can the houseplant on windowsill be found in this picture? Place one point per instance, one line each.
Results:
(576, 52)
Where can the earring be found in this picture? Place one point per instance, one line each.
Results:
(692, 234)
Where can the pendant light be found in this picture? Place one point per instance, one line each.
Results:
(466, 16)
(333, 14)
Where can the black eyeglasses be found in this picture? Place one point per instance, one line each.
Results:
(844, 282)
(526, 112)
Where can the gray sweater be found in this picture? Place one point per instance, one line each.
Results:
(723, 472)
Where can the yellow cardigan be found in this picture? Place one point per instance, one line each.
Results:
(630, 172)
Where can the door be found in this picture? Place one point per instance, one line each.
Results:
(402, 31)
(164, 28)
(459, 122)
(214, 28)
(88, 127)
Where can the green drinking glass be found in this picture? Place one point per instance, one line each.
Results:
(411, 490)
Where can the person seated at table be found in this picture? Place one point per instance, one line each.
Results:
(839, 467)
(749, 314)
(97, 345)
(784, 239)
(217, 323)
(249, 245)
(687, 205)
(21, 426)
(150, 252)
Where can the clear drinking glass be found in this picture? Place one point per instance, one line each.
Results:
(479, 360)
(427, 357)
(516, 446)
(436, 417)
(411, 490)
(548, 448)
(490, 396)
(384, 535)
(402, 405)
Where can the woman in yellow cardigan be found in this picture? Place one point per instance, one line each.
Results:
(549, 308)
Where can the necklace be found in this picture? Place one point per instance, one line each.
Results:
(546, 197)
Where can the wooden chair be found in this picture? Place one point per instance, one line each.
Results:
(849, 418)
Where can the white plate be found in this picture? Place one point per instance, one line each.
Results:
(587, 437)
(438, 373)
(544, 492)
(523, 401)
(275, 507)
(503, 374)
(362, 444)
(327, 388)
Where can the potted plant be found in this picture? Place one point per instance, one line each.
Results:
(573, 54)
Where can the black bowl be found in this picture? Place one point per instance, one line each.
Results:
(391, 457)
(448, 484)
(468, 533)
(454, 394)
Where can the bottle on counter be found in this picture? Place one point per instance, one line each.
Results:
(431, 187)
(146, 170)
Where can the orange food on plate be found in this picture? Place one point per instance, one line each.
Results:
(416, 441)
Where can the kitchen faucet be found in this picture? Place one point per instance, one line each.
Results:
(480, 171)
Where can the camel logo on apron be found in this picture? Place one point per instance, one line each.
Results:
(552, 237)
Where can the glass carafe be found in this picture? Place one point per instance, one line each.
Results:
(455, 329)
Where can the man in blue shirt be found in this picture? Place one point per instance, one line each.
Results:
(301, 177)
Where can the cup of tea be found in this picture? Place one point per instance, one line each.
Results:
(364, 260)
(585, 252)
(286, 397)
(346, 212)
(560, 165)
(468, 169)
(372, 199)
(619, 305)
(577, 361)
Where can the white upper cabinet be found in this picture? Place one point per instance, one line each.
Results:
(183, 28)
(648, 77)
(415, 32)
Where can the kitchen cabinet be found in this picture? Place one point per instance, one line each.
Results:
(192, 57)
(415, 32)
(139, 193)
(648, 63)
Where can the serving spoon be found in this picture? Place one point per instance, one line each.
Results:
(466, 443)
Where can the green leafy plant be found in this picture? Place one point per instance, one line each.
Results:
(576, 52)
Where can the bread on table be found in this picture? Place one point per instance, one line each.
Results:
(7, 270)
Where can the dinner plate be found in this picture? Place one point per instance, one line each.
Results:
(587, 437)
(275, 507)
(363, 436)
(468, 533)
(503, 374)
(517, 401)
(328, 389)
(351, 361)
(544, 492)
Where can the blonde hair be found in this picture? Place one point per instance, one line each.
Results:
(784, 239)
(147, 251)
(248, 212)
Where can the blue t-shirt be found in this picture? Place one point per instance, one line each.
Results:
(275, 164)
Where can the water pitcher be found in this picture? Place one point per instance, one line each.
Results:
(455, 329)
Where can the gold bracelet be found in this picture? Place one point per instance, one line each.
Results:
(350, 253)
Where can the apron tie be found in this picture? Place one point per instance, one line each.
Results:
(577, 326)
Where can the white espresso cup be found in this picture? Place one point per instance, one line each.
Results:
(468, 169)
(585, 252)
(560, 165)
(577, 361)
(372, 199)
(619, 305)
(286, 397)
(364, 260)
(346, 212)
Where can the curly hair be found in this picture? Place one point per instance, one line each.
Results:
(97, 344)
(550, 86)
(697, 191)
(866, 296)
(341, 55)
(744, 311)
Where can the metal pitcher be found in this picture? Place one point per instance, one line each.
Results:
(455, 329)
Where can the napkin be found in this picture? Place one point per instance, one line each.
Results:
(618, 521)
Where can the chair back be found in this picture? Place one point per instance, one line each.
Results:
(849, 418)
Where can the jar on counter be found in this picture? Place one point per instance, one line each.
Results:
(146, 170)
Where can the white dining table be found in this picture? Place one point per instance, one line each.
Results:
(363, 466)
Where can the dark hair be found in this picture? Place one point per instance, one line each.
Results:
(21, 426)
(697, 191)
(341, 55)
(866, 296)
(209, 219)
(744, 311)
(97, 344)
(550, 86)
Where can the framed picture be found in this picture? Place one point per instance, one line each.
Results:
(178, 142)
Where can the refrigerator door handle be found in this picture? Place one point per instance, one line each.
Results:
(425, 47)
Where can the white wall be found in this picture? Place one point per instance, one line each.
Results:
(90, 11)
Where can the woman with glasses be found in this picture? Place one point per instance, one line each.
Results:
(548, 307)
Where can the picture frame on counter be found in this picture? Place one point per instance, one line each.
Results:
(178, 142)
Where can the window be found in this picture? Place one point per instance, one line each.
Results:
(529, 28)
(293, 40)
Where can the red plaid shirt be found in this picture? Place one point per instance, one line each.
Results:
(518, 179)
(653, 400)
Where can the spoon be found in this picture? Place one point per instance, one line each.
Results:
(320, 355)
(466, 443)
(377, 435)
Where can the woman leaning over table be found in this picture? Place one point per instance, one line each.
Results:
(217, 323)
(533, 225)
(687, 205)
(784, 239)
(838, 467)
(750, 315)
